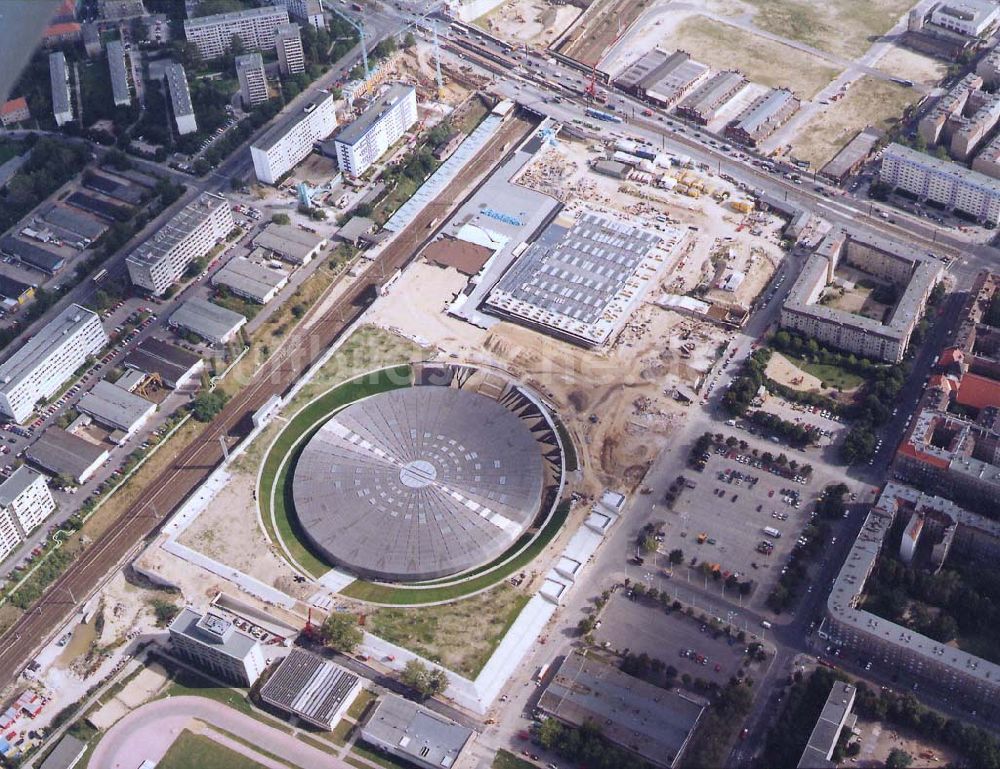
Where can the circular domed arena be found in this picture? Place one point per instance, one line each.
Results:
(421, 482)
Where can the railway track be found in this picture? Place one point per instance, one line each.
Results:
(275, 376)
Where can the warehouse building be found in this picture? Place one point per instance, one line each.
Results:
(39, 368)
(661, 77)
(73, 224)
(67, 753)
(180, 99)
(119, 75)
(214, 324)
(705, 102)
(214, 644)
(62, 106)
(174, 366)
(253, 82)
(285, 145)
(940, 181)
(765, 115)
(25, 503)
(190, 234)
(255, 27)
(385, 121)
(34, 256)
(16, 291)
(415, 734)
(292, 244)
(311, 688)
(61, 453)
(653, 723)
(288, 42)
(251, 280)
(971, 18)
(851, 157)
(116, 408)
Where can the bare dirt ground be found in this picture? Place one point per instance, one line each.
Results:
(416, 65)
(902, 62)
(604, 22)
(783, 371)
(878, 739)
(529, 21)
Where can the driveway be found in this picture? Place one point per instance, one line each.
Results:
(147, 733)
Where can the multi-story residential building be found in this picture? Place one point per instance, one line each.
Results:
(988, 68)
(119, 75)
(765, 115)
(253, 83)
(288, 42)
(255, 27)
(159, 262)
(62, 107)
(48, 359)
(987, 162)
(366, 139)
(10, 537)
(972, 18)
(884, 259)
(932, 125)
(288, 143)
(305, 11)
(951, 185)
(26, 498)
(14, 111)
(180, 99)
(213, 643)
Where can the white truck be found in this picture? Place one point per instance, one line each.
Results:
(772, 532)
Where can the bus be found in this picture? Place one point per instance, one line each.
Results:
(101, 275)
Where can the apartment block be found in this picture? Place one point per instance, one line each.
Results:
(214, 644)
(949, 184)
(62, 106)
(14, 111)
(288, 143)
(26, 498)
(119, 75)
(988, 68)
(255, 27)
(932, 125)
(765, 115)
(253, 83)
(987, 162)
(366, 139)
(288, 42)
(305, 11)
(39, 368)
(180, 99)
(10, 537)
(159, 262)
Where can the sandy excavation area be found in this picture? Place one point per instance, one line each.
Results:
(783, 371)
(535, 22)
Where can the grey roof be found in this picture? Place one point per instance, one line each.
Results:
(249, 278)
(12, 288)
(75, 222)
(355, 227)
(224, 18)
(114, 406)
(15, 485)
(855, 151)
(180, 96)
(30, 355)
(412, 730)
(653, 722)
(206, 319)
(762, 110)
(282, 129)
(309, 686)
(177, 228)
(666, 75)
(826, 732)
(65, 754)
(355, 131)
(119, 77)
(418, 483)
(250, 61)
(954, 171)
(288, 241)
(713, 93)
(63, 453)
(213, 630)
(29, 253)
(156, 356)
(59, 81)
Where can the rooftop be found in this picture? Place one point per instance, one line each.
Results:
(760, 111)
(232, 17)
(309, 686)
(855, 151)
(213, 630)
(428, 737)
(177, 229)
(355, 131)
(34, 352)
(250, 278)
(206, 319)
(34, 255)
(114, 406)
(289, 241)
(16, 484)
(156, 356)
(119, 77)
(180, 96)
(62, 453)
(281, 129)
(468, 258)
(826, 732)
(66, 753)
(14, 105)
(943, 167)
(60, 84)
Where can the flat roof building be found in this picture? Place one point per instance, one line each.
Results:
(765, 115)
(34, 256)
(190, 234)
(214, 324)
(288, 44)
(74, 222)
(214, 644)
(253, 83)
(176, 367)
(255, 27)
(415, 734)
(365, 140)
(290, 142)
(251, 280)
(116, 408)
(180, 99)
(119, 75)
(25, 503)
(40, 367)
(67, 753)
(836, 714)
(61, 453)
(653, 723)
(62, 106)
(306, 11)
(662, 77)
(311, 688)
(851, 157)
(291, 243)
(972, 18)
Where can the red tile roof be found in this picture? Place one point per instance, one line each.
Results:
(65, 29)
(14, 105)
(929, 459)
(978, 391)
(950, 356)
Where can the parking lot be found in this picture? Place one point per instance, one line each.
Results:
(721, 521)
(641, 627)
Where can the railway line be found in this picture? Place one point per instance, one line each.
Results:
(275, 376)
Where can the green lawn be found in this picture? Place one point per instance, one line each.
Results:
(382, 759)
(506, 760)
(831, 376)
(569, 450)
(341, 732)
(360, 704)
(9, 149)
(185, 683)
(193, 750)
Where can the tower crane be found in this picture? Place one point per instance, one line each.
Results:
(360, 27)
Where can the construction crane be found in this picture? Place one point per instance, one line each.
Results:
(437, 64)
(360, 27)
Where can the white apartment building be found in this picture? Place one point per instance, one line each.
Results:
(366, 139)
(25, 496)
(180, 99)
(288, 42)
(190, 234)
(255, 27)
(10, 537)
(253, 83)
(941, 181)
(62, 107)
(286, 144)
(212, 642)
(972, 18)
(306, 11)
(48, 359)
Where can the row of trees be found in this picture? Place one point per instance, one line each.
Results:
(788, 735)
(52, 163)
(585, 746)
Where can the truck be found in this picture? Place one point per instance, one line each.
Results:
(601, 115)
(772, 532)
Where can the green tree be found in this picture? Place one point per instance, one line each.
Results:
(340, 631)
(676, 556)
(206, 406)
(424, 680)
(281, 219)
(898, 759)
